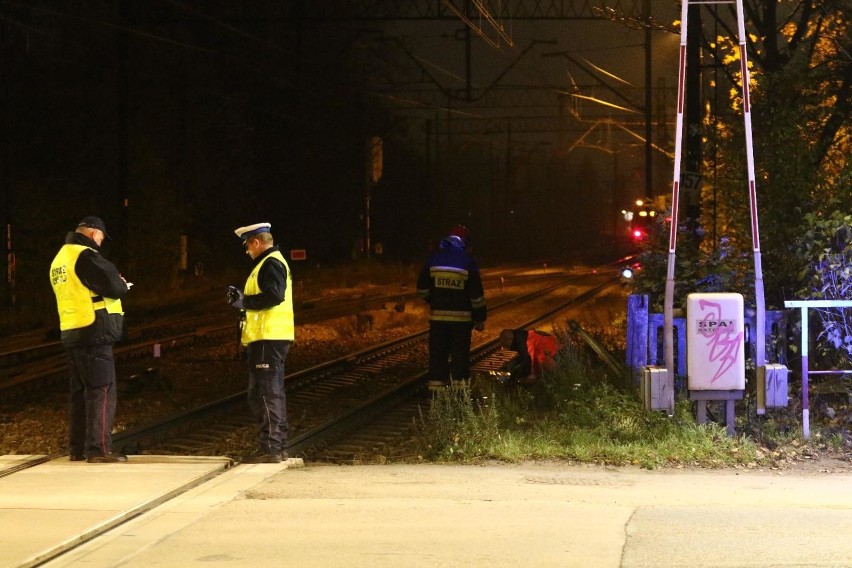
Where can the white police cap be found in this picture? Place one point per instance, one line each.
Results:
(252, 230)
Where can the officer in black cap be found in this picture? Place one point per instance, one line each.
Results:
(89, 290)
(93, 223)
(267, 331)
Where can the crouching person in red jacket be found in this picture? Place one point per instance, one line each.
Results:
(536, 352)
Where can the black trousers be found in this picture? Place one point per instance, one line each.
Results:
(266, 397)
(449, 350)
(92, 400)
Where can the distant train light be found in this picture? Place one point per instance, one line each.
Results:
(627, 273)
(643, 223)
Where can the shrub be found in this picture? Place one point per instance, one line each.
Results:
(825, 251)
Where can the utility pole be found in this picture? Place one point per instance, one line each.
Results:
(123, 146)
(374, 174)
(5, 157)
(694, 147)
(649, 178)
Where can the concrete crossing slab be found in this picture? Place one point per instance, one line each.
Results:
(47, 509)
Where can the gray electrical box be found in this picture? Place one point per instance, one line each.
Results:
(657, 389)
(772, 387)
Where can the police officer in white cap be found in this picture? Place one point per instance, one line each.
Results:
(267, 331)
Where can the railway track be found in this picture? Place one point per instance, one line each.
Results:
(331, 401)
(374, 432)
(34, 367)
(345, 410)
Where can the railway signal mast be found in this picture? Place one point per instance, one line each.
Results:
(668, 331)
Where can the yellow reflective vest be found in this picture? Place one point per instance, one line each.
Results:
(276, 322)
(76, 303)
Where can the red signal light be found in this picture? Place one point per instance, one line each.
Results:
(638, 234)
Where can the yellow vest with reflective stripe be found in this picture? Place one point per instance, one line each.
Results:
(276, 322)
(73, 299)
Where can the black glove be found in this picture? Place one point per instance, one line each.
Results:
(235, 297)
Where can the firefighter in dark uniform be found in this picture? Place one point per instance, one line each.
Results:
(267, 331)
(452, 286)
(89, 290)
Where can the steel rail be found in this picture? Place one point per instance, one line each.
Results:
(54, 367)
(47, 361)
(324, 373)
(396, 396)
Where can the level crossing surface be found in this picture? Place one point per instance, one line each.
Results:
(495, 515)
(51, 508)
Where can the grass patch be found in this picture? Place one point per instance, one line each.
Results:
(573, 413)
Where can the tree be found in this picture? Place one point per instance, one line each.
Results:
(801, 72)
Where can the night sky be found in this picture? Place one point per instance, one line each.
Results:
(184, 118)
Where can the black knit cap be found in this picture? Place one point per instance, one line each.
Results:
(93, 222)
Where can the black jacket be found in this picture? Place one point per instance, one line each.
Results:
(102, 277)
(272, 281)
(450, 282)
